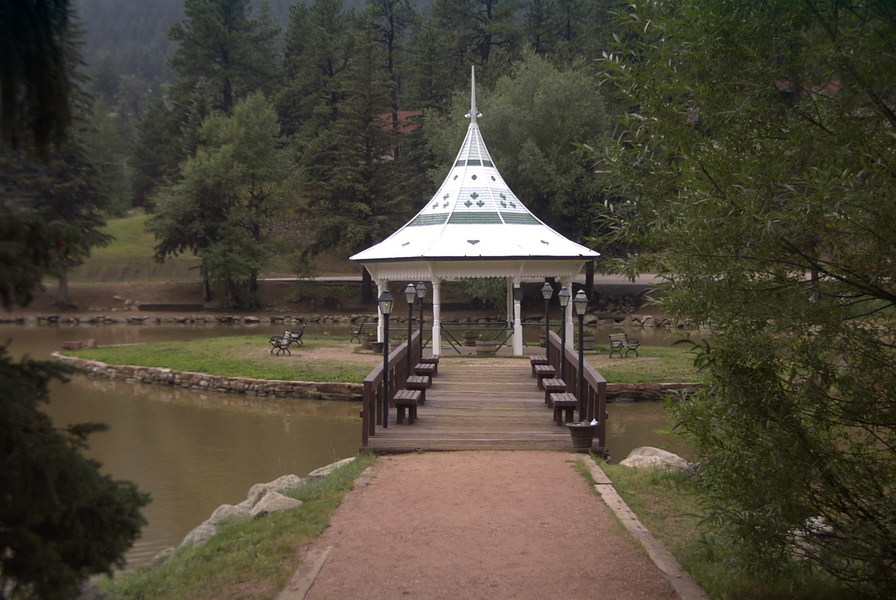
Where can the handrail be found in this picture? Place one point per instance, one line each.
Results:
(595, 385)
(372, 391)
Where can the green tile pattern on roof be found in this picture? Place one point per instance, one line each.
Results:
(477, 218)
(437, 219)
(519, 218)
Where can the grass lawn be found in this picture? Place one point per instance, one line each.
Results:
(669, 506)
(321, 358)
(656, 364)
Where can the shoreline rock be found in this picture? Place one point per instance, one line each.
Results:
(261, 500)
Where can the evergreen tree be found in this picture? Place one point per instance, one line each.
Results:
(352, 183)
(36, 75)
(391, 20)
(321, 43)
(432, 78)
(478, 32)
(221, 43)
(61, 520)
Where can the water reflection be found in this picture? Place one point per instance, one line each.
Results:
(634, 424)
(194, 451)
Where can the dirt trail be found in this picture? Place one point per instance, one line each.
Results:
(479, 525)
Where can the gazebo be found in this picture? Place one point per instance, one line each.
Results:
(475, 226)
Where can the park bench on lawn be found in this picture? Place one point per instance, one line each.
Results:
(363, 328)
(280, 343)
(620, 342)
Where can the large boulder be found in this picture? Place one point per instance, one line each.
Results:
(260, 490)
(274, 502)
(200, 534)
(324, 471)
(655, 458)
(229, 511)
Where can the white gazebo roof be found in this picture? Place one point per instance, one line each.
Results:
(474, 226)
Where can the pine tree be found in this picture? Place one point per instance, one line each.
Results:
(220, 42)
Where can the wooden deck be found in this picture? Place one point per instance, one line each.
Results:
(477, 405)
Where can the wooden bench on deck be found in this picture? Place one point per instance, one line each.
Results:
(430, 359)
(406, 399)
(552, 386)
(543, 372)
(537, 359)
(564, 402)
(419, 383)
(426, 369)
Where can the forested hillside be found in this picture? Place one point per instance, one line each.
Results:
(352, 109)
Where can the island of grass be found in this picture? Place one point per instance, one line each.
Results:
(326, 359)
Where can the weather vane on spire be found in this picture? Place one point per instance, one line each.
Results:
(473, 114)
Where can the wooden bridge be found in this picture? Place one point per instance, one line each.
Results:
(477, 404)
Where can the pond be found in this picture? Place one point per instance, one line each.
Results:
(194, 451)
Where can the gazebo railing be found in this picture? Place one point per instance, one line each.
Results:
(372, 394)
(594, 384)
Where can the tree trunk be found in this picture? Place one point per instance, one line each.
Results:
(589, 279)
(206, 284)
(63, 299)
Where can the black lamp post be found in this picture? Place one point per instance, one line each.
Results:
(386, 302)
(580, 302)
(563, 296)
(546, 292)
(410, 294)
(421, 294)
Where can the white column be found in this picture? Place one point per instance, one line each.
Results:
(436, 318)
(567, 315)
(381, 286)
(508, 302)
(517, 325)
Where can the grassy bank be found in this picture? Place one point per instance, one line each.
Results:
(320, 359)
(656, 364)
(668, 505)
(324, 358)
(250, 559)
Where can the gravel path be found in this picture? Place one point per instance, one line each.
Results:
(479, 525)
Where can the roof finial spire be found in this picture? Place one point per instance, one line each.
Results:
(473, 114)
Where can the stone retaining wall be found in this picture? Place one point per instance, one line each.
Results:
(627, 392)
(214, 383)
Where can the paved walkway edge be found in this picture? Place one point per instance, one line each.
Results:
(313, 561)
(685, 586)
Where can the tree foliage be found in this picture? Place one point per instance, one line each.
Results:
(36, 73)
(61, 520)
(221, 43)
(221, 207)
(756, 163)
(537, 119)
